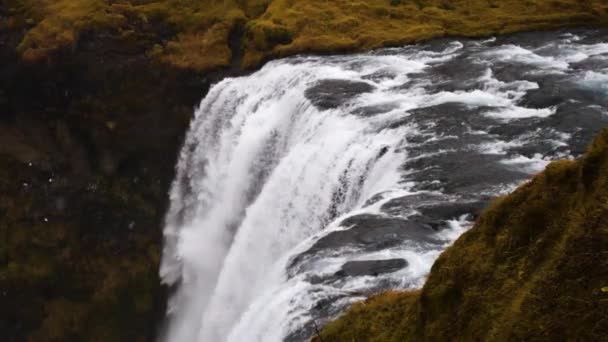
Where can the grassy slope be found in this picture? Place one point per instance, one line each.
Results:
(534, 267)
(200, 29)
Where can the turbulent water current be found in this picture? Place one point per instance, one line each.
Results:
(317, 181)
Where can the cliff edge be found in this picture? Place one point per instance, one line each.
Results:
(534, 267)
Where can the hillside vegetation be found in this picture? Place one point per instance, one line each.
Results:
(196, 34)
(534, 267)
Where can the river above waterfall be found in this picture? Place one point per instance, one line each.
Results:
(317, 181)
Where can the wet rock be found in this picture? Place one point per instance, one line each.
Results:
(397, 206)
(451, 118)
(547, 95)
(329, 94)
(379, 76)
(589, 36)
(458, 74)
(372, 232)
(437, 215)
(581, 122)
(433, 211)
(371, 267)
(369, 232)
(462, 172)
(592, 63)
(374, 110)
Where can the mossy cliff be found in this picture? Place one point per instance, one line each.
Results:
(88, 142)
(197, 34)
(534, 267)
(95, 96)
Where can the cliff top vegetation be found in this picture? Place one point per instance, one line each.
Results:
(196, 34)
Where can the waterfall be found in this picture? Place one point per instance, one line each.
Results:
(263, 170)
(282, 172)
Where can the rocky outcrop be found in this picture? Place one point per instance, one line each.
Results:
(88, 143)
(533, 267)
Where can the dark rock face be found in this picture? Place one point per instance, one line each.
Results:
(88, 142)
(329, 94)
(371, 267)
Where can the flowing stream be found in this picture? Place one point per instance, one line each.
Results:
(318, 181)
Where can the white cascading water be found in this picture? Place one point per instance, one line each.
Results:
(264, 173)
(259, 172)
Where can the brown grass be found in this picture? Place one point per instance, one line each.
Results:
(286, 27)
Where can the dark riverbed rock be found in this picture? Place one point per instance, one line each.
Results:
(453, 210)
(373, 232)
(434, 213)
(458, 74)
(550, 92)
(451, 118)
(370, 233)
(374, 110)
(88, 142)
(462, 172)
(400, 205)
(591, 63)
(580, 122)
(370, 267)
(329, 94)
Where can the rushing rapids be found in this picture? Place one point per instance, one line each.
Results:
(317, 181)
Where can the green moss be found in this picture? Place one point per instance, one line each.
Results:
(532, 268)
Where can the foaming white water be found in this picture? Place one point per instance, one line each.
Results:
(262, 170)
(265, 175)
(532, 165)
(597, 81)
(518, 55)
(515, 112)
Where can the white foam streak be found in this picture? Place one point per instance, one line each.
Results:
(530, 165)
(518, 55)
(516, 112)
